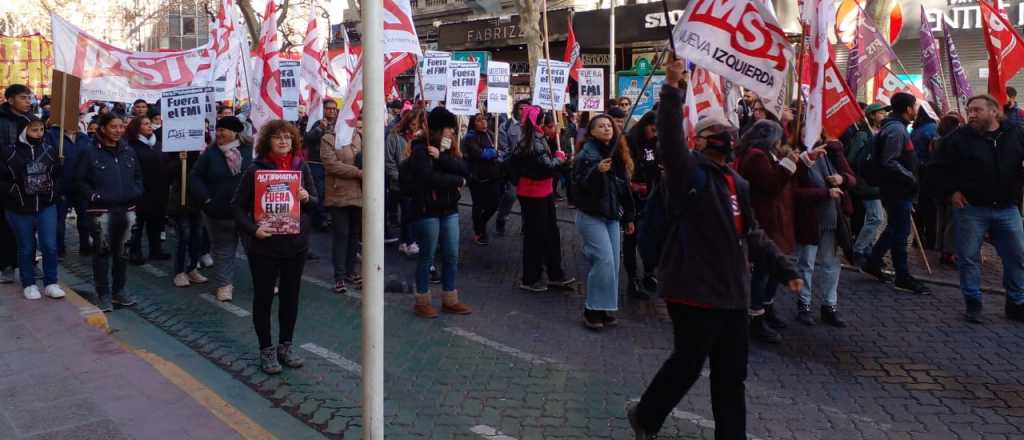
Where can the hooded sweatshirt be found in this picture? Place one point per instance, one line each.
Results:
(30, 174)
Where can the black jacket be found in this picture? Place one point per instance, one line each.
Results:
(602, 195)
(481, 156)
(311, 142)
(985, 167)
(29, 176)
(109, 177)
(155, 171)
(242, 208)
(704, 261)
(433, 183)
(534, 159)
(211, 182)
(897, 161)
(11, 124)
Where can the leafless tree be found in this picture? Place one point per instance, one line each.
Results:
(529, 18)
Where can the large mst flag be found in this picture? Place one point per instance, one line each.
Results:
(1005, 49)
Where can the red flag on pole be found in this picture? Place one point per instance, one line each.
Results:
(839, 105)
(1005, 49)
(572, 53)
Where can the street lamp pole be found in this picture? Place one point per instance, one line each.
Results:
(611, 50)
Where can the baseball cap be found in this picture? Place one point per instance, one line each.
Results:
(712, 122)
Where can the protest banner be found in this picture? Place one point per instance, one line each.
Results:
(461, 98)
(498, 76)
(26, 60)
(290, 89)
(549, 84)
(591, 89)
(435, 75)
(184, 114)
(277, 201)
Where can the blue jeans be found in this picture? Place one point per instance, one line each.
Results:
(319, 182)
(894, 239)
(1004, 226)
(431, 233)
(602, 245)
(829, 268)
(874, 220)
(25, 228)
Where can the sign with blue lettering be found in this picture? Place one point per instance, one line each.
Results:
(184, 113)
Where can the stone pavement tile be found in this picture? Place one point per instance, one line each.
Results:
(46, 416)
(104, 429)
(36, 394)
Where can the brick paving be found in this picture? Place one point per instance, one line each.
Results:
(907, 367)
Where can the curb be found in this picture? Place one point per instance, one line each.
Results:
(89, 312)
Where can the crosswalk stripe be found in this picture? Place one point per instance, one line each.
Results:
(231, 308)
(333, 358)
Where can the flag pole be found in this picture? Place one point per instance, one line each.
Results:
(373, 222)
(799, 87)
(668, 25)
(632, 108)
(611, 50)
(551, 86)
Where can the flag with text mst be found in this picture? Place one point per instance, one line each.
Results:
(1005, 49)
(739, 40)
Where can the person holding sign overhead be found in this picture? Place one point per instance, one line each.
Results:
(276, 189)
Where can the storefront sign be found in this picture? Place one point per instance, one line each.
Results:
(497, 32)
(477, 56)
(962, 15)
(633, 24)
(595, 59)
(591, 90)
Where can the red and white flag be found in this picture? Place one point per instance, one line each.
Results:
(266, 73)
(819, 18)
(399, 31)
(839, 104)
(312, 71)
(572, 53)
(888, 84)
(1005, 49)
(704, 99)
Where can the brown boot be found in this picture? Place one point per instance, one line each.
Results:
(423, 307)
(450, 304)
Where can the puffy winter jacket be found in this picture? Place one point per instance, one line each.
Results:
(212, 184)
(109, 177)
(11, 124)
(985, 167)
(481, 156)
(897, 161)
(29, 176)
(72, 153)
(433, 183)
(603, 195)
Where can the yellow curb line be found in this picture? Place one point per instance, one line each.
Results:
(92, 314)
(203, 395)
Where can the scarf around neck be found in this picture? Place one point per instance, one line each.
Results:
(233, 156)
(281, 161)
(150, 141)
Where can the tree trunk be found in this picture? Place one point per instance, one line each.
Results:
(252, 24)
(529, 19)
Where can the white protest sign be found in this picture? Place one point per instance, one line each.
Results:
(498, 75)
(435, 75)
(464, 78)
(184, 114)
(550, 75)
(211, 111)
(591, 90)
(290, 89)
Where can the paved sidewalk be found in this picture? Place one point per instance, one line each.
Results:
(63, 379)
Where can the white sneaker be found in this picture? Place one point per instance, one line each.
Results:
(197, 277)
(54, 291)
(163, 236)
(413, 249)
(206, 260)
(181, 280)
(224, 293)
(32, 292)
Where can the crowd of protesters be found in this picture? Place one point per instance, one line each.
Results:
(731, 211)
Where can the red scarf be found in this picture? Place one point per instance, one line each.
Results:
(281, 161)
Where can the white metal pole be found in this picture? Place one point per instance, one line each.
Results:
(373, 220)
(611, 50)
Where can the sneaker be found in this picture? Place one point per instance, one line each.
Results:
(804, 315)
(912, 285)
(287, 357)
(181, 280)
(537, 286)
(563, 283)
(268, 360)
(32, 292)
(860, 259)
(608, 319)
(876, 271)
(123, 299)
(481, 240)
(196, 277)
(224, 293)
(761, 331)
(593, 319)
(105, 305)
(634, 422)
(6, 276)
(339, 287)
(830, 316)
(206, 260)
(54, 291)
(650, 284)
(413, 249)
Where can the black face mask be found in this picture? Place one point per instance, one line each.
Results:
(722, 143)
(34, 142)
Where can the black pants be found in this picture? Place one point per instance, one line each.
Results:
(109, 263)
(8, 244)
(345, 225)
(542, 243)
(151, 219)
(286, 274)
(629, 253)
(485, 203)
(699, 334)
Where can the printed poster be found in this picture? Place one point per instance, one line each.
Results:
(290, 89)
(435, 75)
(277, 201)
(498, 75)
(591, 90)
(551, 76)
(464, 77)
(184, 112)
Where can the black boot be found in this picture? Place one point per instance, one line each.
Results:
(635, 291)
(772, 319)
(973, 313)
(804, 315)
(1014, 312)
(830, 316)
(761, 331)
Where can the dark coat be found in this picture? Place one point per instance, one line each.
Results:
(72, 153)
(211, 182)
(433, 183)
(535, 159)
(897, 160)
(109, 177)
(704, 260)
(602, 195)
(481, 156)
(986, 168)
(810, 197)
(20, 195)
(241, 207)
(155, 170)
(771, 195)
(12, 123)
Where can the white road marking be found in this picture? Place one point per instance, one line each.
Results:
(531, 358)
(350, 292)
(333, 358)
(489, 433)
(231, 308)
(153, 270)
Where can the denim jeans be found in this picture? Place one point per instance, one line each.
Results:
(346, 223)
(894, 239)
(1004, 226)
(874, 221)
(25, 228)
(434, 233)
(223, 246)
(189, 230)
(829, 268)
(319, 182)
(602, 245)
(110, 260)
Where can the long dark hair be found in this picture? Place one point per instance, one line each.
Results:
(624, 156)
(635, 135)
(922, 118)
(134, 129)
